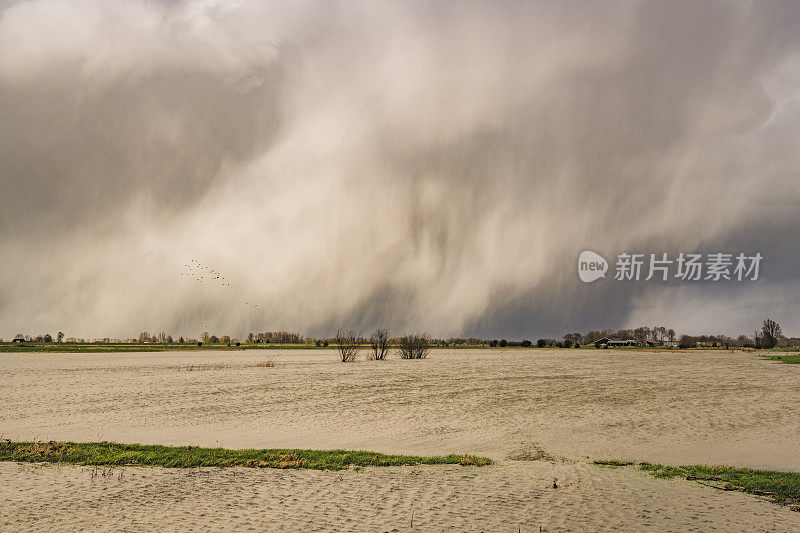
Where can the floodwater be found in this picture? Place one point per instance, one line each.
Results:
(542, 414)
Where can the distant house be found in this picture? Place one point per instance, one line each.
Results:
(601, 342)
(606, 342)
(667, 344)
(629, 342)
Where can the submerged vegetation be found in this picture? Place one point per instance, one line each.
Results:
(780, 487)
(115, 454)
(613, 463)
(196, 367)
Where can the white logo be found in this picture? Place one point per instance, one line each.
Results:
(591, 266)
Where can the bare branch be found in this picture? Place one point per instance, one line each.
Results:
(379, 343)
(414, 346)
(347, 345)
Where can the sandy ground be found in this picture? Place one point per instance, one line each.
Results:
(541, 414)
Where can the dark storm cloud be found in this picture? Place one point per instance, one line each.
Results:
(432, 166)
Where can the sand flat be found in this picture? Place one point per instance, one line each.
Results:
(541, 414)
(506, 497)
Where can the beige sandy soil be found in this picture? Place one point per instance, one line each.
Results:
(541, 414)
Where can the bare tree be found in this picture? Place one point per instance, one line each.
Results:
(641, 335)
(723, 341)
(347, 345)
(414, 346)
(770, 333)
(379, 342)
(743, 341)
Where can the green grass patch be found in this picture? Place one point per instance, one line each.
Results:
(790, 359)
(780, 487)
(115, 454)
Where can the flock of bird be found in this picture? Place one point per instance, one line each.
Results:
(200, 272)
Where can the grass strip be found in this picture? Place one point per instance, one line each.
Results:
(115, 454)
(780, 487)
(790, 359)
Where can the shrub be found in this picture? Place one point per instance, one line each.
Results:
(347, 345)
(414, 346)
(379, 342)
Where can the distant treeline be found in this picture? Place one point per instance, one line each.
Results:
(277, 337)
(769, 335)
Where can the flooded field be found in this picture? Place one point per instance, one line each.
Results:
(542, 415)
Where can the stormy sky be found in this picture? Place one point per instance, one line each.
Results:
(433, 166)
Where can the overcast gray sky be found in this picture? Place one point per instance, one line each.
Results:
(431, 166)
